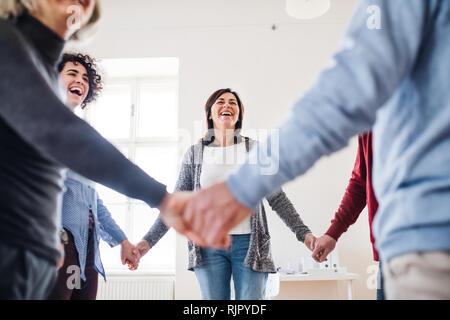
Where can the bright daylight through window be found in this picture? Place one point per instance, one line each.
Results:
(137, 112)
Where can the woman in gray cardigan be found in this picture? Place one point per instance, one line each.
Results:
(211, 160)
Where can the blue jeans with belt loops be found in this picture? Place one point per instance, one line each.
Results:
(214, 274)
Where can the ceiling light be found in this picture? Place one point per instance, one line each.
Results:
(307, 9)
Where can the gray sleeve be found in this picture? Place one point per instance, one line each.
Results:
(184, 183)
(281, 204)
(30, 107)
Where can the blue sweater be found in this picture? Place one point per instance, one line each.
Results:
(395, 79)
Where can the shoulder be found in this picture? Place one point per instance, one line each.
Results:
(194, 148)
(6, 27)
(251, 141)
(10, 37)
(192, 152)
(14, 47)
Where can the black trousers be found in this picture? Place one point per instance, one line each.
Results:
(23, 275)
(66, 287)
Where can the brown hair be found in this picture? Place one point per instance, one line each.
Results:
(209, 136)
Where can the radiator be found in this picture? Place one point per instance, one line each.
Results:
(142, 287)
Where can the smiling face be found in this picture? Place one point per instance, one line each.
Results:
(225, 111)
(76, 81)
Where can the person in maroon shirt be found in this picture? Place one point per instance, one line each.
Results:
(358, 194)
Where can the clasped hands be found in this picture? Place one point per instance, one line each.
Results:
(205, 218)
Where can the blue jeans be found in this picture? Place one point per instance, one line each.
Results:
(380, 286)
(214, 274)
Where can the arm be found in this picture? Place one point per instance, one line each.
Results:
(349, 210)
(366, 72)
(354, 199)
(281, 204)
(109, 230)
(38, 116)
(113, 235)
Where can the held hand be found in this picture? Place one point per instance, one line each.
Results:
(310, 241)
(172, 208)
(61, 261)
(142, 248)
(324, 245)
(212, 213)
(139, 250)
(128, 256)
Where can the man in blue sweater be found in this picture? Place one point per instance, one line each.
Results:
(392, 73)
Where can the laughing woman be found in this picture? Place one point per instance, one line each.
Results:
(248, 260)
(84, 217)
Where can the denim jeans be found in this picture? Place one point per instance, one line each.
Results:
(380, 283)
(214, 274)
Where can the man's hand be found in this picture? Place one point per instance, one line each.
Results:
(172, 208)
(310, 241)
(324, 245)
(127, 254)
(212, 212)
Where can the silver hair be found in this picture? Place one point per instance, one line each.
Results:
(10, 9)
(13, 8)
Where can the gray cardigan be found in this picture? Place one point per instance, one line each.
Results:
(259, 257)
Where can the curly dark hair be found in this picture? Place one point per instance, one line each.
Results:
(95, 79)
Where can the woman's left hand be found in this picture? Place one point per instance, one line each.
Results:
(310, 241)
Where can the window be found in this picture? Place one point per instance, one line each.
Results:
(137, 112)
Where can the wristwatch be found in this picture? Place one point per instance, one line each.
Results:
(64, 237)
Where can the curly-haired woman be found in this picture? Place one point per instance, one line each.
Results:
(84, 217)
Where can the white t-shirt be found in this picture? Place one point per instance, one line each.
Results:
(218, 164)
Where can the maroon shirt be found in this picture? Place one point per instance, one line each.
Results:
(359, 192)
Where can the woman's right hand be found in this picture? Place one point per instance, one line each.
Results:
(143, 247)
(139, 251)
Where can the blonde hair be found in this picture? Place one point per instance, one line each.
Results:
(10, 9)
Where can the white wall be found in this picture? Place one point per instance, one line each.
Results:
(230, 43)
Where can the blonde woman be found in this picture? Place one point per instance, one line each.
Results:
(39, 136)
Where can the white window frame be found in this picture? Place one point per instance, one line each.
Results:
(131, 144)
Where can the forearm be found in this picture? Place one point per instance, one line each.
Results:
(343, 102)
(156, 232)
(281, 204)
(351, 206)
(110, 230)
